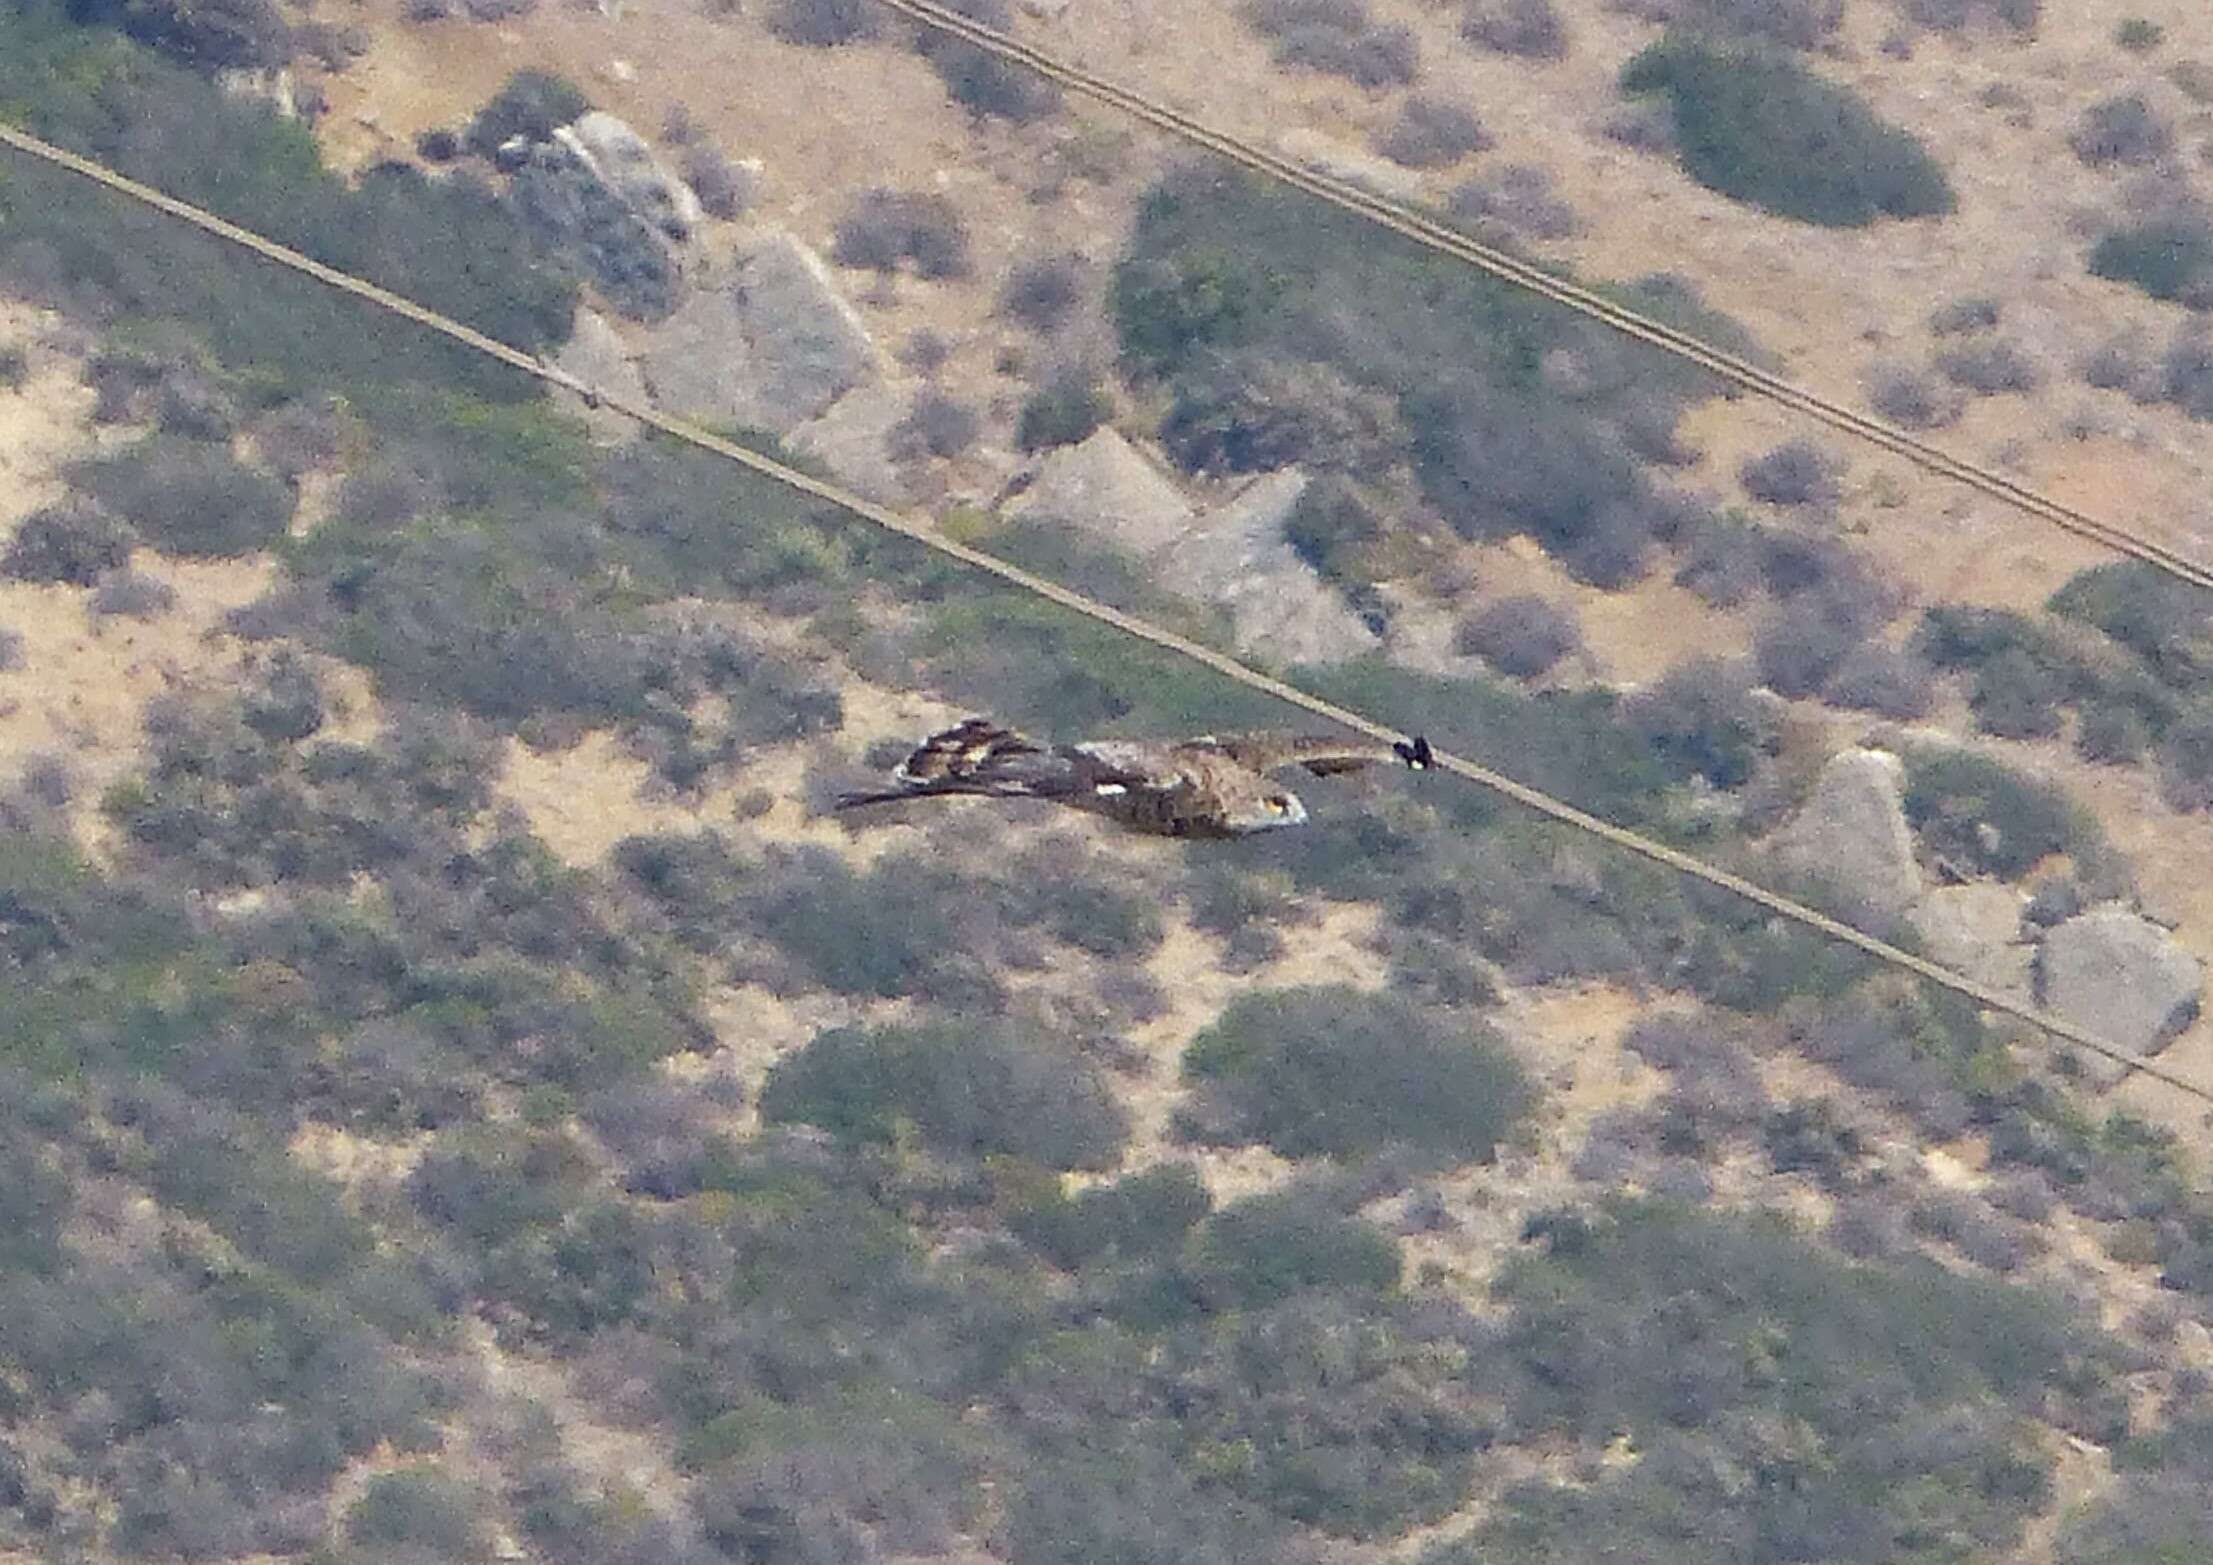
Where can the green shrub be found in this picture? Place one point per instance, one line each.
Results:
(188, 498)
(2186, 760)
(2167, 257)
(2016, 696)
(1990, 819)
(1268, 1247)
(969, 1092)
(2166, 622)
(2138, 34)
(1168, 309)
(1700, 720)
(450, 243)
(1763, 129)
(532, 104)
(2115, 735)
(415, 1508)
(76, 544)
(210, 34)
(1350, 1415)
(1703, 1338)
(1066, 409)
(1139, 1215)
(1337, 1072)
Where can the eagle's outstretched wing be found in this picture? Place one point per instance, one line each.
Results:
(1322, 755)
(978, 757)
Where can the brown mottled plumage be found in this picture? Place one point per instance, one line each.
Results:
(1204, 787)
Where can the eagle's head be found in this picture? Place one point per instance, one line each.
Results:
(1266, 813)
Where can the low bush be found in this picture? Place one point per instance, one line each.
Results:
(968, 1093)
(71, 542)
(1794, 24)
(980, 81)
(1991, 820)
(1042, 294)
(1951, 16)
(131, 595)
(2115, 736)
(1803, 643)
(886, 227)
(1794, 473)
(533, 105)
(1518, 199)
(415, 1508)
(2138, 34)
(936, 425)
(1763, 129)
(2124, 129)
(2017, 696)
(1700, 720)
(1268, 1247)
(1988, 368)
(1975, 312)
(725, 189)
(1335, 1072)
(184, 497)
(1140, 1215)
(1527, 29)
(2186, 760)
(1523, 636)
(1246, 412)
(824, 24)
(1883, 680)
(2167, 623)
(1431, 133)
(1332, 526)
(1339, 38)
(1068, 408)
(2168, 257)
(1910, 399)
(210, 35)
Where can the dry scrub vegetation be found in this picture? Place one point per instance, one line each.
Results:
(464, 1097)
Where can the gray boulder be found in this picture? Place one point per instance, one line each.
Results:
(1976, 929)
(597, 357)
(853, 440)
(1239, 558)
(769, 345)
(1852, 831)
(1103, 487)
(2118, 974)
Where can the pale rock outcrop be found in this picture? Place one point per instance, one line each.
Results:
(1239, 558)
(621, 158)
(597, 192)
(1852, 831)
(1103, 487)
(1976, 929)
(853, 439)
(768, 345)
(597, 357)
(2118, 974)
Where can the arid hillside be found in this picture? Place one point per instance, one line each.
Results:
(466, 1094)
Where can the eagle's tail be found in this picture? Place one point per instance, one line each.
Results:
(970, 751)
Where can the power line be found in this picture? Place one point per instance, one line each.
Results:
(1423, 230)
(1230, 668)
